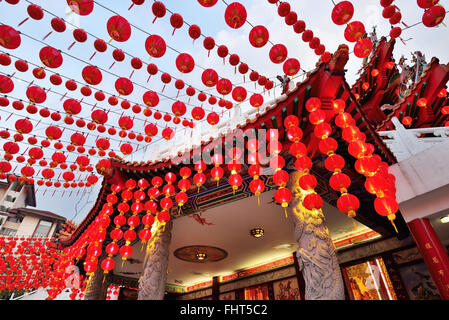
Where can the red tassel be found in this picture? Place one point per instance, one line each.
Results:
(154, 19)
(173, 33)
(48, 34)
(163, 88)
(208, 54)
(70, 47)
(149, 78)
(26, 19)
(112, 65)
(93, 55)
(131, 74)
(178, 94)
(132, 5)
(63, 96)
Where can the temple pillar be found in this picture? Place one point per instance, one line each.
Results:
(433, 253)
(94, 286)
(154, 278)
(316, 255)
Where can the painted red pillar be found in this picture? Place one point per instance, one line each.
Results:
(433, 253)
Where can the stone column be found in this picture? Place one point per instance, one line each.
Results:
(94, 287)
(433, 252)
(316, 255)
(154, 277)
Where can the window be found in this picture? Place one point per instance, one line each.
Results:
(17, 186)
(10, 198)
(8, 232)
(42, 229)
(15, 219)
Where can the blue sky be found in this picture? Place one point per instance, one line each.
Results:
(316, 14)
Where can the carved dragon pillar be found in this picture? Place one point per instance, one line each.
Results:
(316, 253)
(154, 277)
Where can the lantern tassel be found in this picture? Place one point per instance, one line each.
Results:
(149, 78)
(285, 211)
(153, 19)
(48, 34)
(70, 47)
(93, 55)
(394, 225)
(173, 33)
(163, 88)
(104, 278)
(123, 262)
(131, 74)
(258, 200)
(23, 21)
(112, 65)
(110, 40)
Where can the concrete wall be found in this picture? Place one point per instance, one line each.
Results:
(28, 225)
(422, 182)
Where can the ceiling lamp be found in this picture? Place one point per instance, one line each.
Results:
(201, 256)
(445, 219)
(257, 232)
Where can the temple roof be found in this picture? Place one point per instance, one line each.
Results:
(321, 82)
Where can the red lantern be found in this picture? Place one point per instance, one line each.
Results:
(256, 100)
(278, 53)
(168, 133)
(348, 204)
(51, 57)
(209, 77)
(155, 46)
(176, 21)
(313, 201)
(239, 94)
(363, 48)
(222, 52)
(258, 36)
(36, 94)
(209, 44)
(342, 12)
(235, 180)
(151, 98)
(284, 9)
(235, 15)
(23, 126)
(124, 86)
(194, 32)
(224, 86)
(6, 84)
(178, 108)
(92, 75)
(434, 16)
(213, 118)
(185, 63)
(207, 3)
(72, 107)
(354, 31)
(291, 67)
(283, 196)
(158, 9)
(126, 148)
(119, 28)
(9, 37)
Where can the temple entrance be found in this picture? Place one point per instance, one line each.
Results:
(241, 250)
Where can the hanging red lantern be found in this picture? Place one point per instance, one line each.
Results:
(126, 149)
(51, 57)
(150, 98)
(235, 15)
(9, 37)
(198, 113)
(239, 94)
(209, 77)
(194, 32)
(291, 67)
(354, 31)
(213, 118)
(222, 52)
(6, 84)
(126, 123)
(313, 201)
(100, 45)
(434, 16)
(119, 28)
(284, 9)
(283, 196)
(224, 86)
(178, 108)
(185, 63)
(92, 75)
(207, 3)
(209, 44)
(81, 7)
(168, 133)
(158, 9)
(176, 21)
(72, 106)
(78, 139)
(342, 12)
(278, 53)
(155, 46)
(348, 204)
(124, 86)
(256, 100)
(363, 48)
(79, 35)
